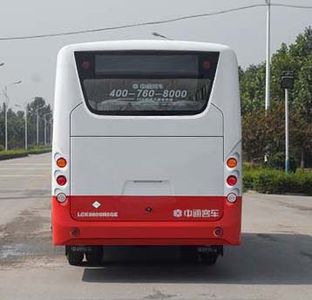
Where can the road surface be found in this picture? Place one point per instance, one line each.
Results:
(273, 262)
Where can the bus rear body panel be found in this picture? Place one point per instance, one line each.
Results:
(146, 171)
(67, 231)
(147, 166)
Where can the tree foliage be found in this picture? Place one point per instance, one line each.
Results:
(16, 124)
(263, 133)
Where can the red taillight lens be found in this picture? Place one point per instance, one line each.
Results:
(61, 180)
(231, 180)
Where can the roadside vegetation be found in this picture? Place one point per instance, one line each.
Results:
(16, 129)
(16, 124)
(273, 181)
(264, 132)
(22, 152)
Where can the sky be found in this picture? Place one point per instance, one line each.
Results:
(34, 61)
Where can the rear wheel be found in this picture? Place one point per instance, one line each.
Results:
(208, 259)
(209, 255)
(94, 255)
(74, 257)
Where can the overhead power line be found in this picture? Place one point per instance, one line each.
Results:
(291, 6)
(165, 21)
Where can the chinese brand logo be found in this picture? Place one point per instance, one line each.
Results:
(178, 213)
(196, 213)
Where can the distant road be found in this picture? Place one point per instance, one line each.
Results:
(273, 262)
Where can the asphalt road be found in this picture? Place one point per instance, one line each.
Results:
(273, 262)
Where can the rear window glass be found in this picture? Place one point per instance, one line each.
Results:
(146, 83)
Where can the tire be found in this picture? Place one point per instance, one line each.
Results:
(74, 258)
(208, 259)
(94, 257)
(210, 256)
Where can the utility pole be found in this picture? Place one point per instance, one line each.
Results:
(45, 130)
(51, 130)
(287, 82)
(26, 130)
(37, 122)
(25, 120)
(45, 126)
(286, 133)
(268, 56)
(6, 104)
(37, 127)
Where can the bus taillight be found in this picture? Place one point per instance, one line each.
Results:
(231, 162)
(231, 180)
(61, 180)
(61, 162)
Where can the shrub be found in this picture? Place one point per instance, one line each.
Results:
(277, 161)
(269, 181)
(12, 154)
(38, 150)
(265, 180)
(303, 182)
(249, 177)
(22, 153)
(248, 181)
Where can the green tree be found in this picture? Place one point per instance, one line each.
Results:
(38, 105)
(252, 81)
(16, 124)
(296, 57)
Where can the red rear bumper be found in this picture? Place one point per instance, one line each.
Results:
(70, 231)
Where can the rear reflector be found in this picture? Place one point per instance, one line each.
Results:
(231, 180)
(218, 231)
(61, 197)
(231, 197)
(61, 180)
(75, 232)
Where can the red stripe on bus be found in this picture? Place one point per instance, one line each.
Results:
(68, 231)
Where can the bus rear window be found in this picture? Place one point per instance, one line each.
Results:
(146, 83)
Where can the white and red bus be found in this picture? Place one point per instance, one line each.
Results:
(146, 148)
